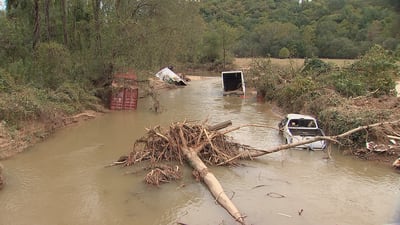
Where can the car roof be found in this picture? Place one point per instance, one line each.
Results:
(299, 116)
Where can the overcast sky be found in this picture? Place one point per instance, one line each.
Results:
(2, 4)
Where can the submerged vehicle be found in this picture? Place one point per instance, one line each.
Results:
(168, 76)
(233, 83)
(298, 127)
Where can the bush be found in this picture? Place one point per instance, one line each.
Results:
(263, 78)
(6, 81)
(30, 103)
(348, 84)
(284, 53)
(337, 120)
(315, 65)
(52, 66)
(376, 72)
(297, 93)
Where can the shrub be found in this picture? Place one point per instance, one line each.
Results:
(262, 77)
(52, 66)
(6, 81)
(376, 72)
(284, 53)
(315, 65)
(348, 84)
(294, 95)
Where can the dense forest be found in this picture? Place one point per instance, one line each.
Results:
(321, 28)
(61, 54)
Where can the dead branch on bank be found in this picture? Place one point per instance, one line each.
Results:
(1, 177)
(198, 145)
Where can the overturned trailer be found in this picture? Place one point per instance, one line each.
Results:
(168, 76)
(233, 83)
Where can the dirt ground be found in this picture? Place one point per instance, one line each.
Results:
(244, 63)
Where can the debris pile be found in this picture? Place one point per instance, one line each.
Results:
(381, 143)
(159, 146)
(196, 144)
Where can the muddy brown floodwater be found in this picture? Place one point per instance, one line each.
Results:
(63, 180)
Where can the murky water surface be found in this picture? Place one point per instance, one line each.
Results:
(63, 180)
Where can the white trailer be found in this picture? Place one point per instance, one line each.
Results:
(233, 83)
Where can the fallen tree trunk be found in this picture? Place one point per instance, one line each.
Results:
(210, 180)
(1, 177)
(251, 153)
(220, 126)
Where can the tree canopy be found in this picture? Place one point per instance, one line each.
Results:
(320, 28)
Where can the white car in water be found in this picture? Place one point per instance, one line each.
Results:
(298, 127)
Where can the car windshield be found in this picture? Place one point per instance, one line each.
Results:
(302, 123)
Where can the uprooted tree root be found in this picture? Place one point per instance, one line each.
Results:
(196, 144)
(159, 146)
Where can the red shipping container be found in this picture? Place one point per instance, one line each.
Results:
(117, 100)
(130, 98)
(124, 94)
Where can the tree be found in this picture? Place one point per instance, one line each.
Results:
(271, 37)
(36, 30)
(228, 36)
(64, 21)
(284, 53)
(52, 66)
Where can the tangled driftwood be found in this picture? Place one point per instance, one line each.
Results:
(198, 145)
(160, 145)
(163, 174)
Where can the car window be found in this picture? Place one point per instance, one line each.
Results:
(302, 123)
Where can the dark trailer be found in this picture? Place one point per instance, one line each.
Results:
(233, 83)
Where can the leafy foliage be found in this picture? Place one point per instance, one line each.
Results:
(376, 72)
(56, 56)
(284, 53)
(52, 66)
(31, 103)
(7, 83)
(293, 95)
(323, 28)
(262, 76)
(315, 65)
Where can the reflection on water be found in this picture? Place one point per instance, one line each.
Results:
(63, 180)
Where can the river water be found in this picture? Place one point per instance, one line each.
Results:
(64, 181)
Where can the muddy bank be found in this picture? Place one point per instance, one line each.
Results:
(13, 141)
